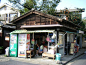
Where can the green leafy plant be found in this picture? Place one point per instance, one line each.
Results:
(1, 47)
(46, 6)
(5, 55)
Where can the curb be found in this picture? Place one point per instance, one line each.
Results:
(73, 58)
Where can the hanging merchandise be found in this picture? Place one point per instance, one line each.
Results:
(52, 40)
(54, 36)
(32, 41)
(47, 39)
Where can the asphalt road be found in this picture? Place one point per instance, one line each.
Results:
(12, 62)
(78, 61)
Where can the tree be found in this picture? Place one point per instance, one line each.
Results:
(84, 21)
(47, 6)
(74, 16)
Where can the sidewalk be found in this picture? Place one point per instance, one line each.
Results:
(68, 58)
(44, 61)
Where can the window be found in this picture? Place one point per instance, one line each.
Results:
(5, 8)
(6, 17)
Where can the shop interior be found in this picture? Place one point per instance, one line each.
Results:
(41, 43)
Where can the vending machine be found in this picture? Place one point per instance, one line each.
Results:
(23, 44)
(13, 45)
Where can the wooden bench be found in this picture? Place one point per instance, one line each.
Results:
(48, 55)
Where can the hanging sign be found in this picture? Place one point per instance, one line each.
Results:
(7, 38)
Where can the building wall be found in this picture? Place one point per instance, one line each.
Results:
(5, 43)
(84, 42)
(7, 13)
(35, 19)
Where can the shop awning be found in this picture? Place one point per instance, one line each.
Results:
(71, 32)
(36, 26)
(35, 31)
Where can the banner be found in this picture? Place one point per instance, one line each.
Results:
(28, 42)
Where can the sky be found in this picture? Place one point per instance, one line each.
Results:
(70, 4)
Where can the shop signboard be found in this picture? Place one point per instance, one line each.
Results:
(13, 45)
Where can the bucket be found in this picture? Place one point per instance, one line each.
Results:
(58, 56)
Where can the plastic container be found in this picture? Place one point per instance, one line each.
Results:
(7, 51)
(58, 56)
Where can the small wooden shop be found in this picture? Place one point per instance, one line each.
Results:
(6, 29)
(43, 27)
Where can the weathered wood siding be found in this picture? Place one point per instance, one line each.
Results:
(34, 19)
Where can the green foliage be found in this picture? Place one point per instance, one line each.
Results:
(5, 55)
(75, 17)
(82, 26)
(84, 21)
(1, 47)
(47, 6)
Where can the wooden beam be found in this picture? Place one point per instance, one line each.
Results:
(40, 19)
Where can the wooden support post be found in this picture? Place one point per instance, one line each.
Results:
(56, 40)
(40, 19)
(33, 35)
(50, 21)
(30, 54)
(48, 42)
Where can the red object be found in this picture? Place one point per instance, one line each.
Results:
(28, 36)
(33, 40)
(76, 49)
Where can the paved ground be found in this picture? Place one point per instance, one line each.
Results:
(38, 60)
(79, 61)
(12, 62)
(26, 61)
(68, 58)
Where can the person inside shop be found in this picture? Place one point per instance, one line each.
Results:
(52, 50)
(41, 49)
(37, 49)
(53, 44)
(45, 48)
